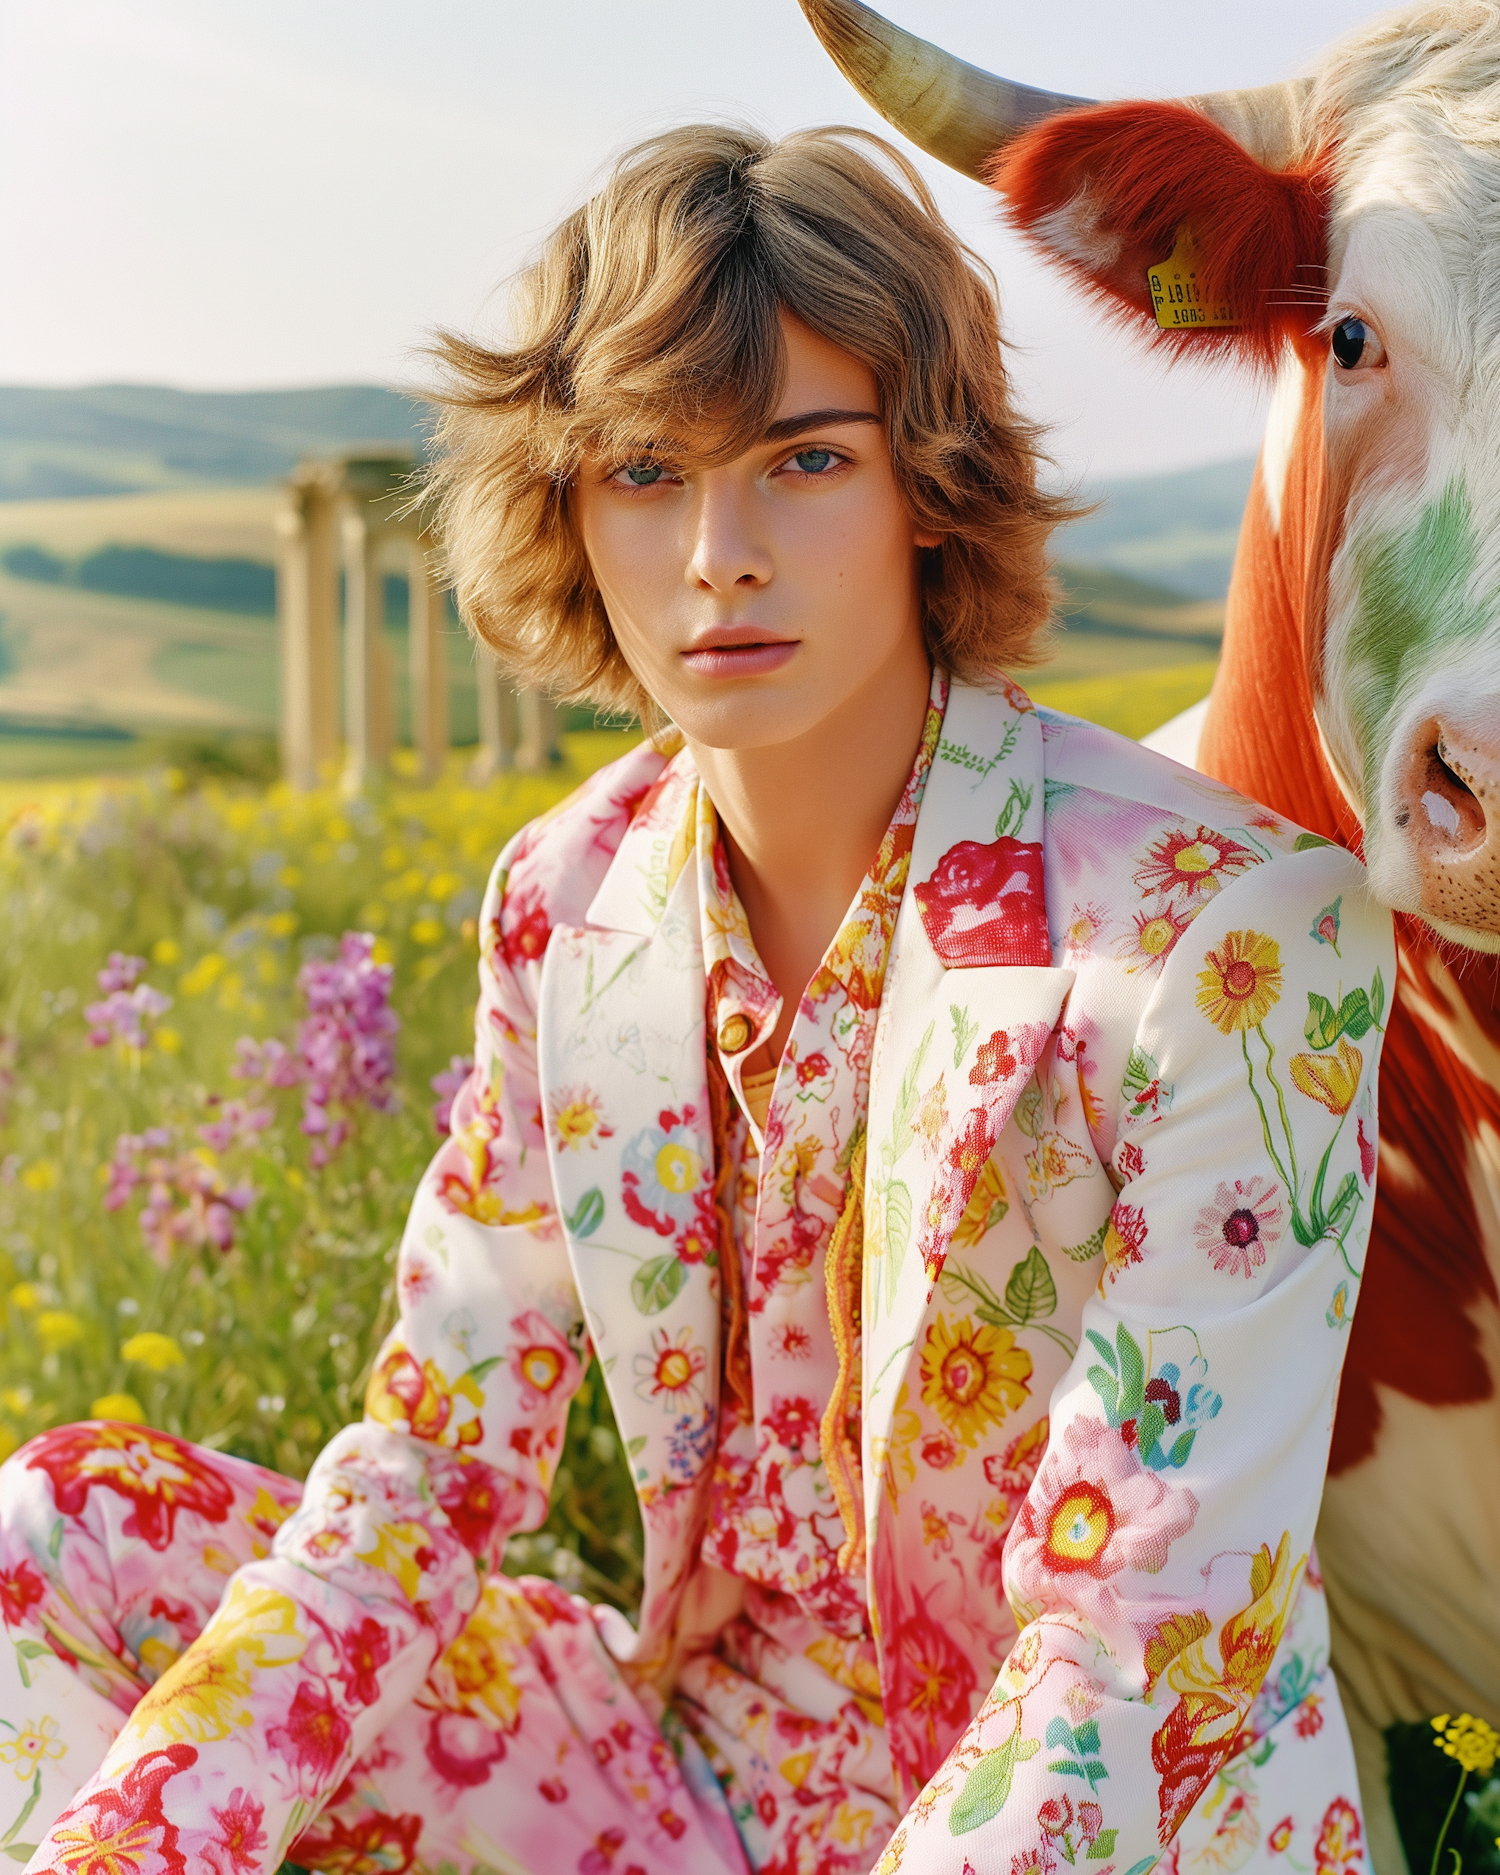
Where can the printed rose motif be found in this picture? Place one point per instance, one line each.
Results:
(421, 1400)
(365, 1649)
(793, 1421)
(1194, 865)
(1340, 1842)
(524, 930)
(462, 1749)
(1056, 1815)
(972, 1375)
(121, 1829)
(1310, 1717)
(672, 1370)
(1242, 983)
(1280, 1838)
(994, 1060)
(159, 1475)
(1243, 1220)
(986, 904)
(1094, 1512)
(1331, 1081)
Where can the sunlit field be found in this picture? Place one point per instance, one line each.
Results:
(175, 1245)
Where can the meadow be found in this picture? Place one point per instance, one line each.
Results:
(175, 1247)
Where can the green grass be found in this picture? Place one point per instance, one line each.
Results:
(226, 888)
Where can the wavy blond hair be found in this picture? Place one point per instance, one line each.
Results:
(651, 316)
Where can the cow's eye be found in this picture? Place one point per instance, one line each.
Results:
(1356, 346)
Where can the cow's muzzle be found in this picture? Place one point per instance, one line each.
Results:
(1446, 808)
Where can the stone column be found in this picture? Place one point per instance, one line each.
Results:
(497, 720)
(540, 721)
(307, 614)
(428, 650)
(367, 689)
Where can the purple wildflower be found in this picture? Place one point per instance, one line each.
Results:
(446, 1086)
(121, 972)
(189, 1202)
(234, 1124)
(129, 1007)
(344, 1058)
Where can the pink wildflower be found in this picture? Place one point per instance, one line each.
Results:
(129, 1006)
(446, 1086)
(234, 1124)
(189, 1202)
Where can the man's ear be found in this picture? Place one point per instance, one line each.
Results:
(1110, 191)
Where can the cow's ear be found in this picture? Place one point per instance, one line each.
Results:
(1112, 191)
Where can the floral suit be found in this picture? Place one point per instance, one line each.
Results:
(1064, 1206)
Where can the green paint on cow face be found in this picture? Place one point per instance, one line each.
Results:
(1415, 610)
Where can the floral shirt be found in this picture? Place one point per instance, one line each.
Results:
(774, 1518)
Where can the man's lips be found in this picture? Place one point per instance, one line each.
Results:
(738, 651)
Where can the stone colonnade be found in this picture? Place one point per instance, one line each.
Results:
(354, 515)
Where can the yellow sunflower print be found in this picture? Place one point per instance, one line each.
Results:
(973, 1374)
(1242, 983)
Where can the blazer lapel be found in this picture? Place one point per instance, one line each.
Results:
(620, 1039)
(970, 1000)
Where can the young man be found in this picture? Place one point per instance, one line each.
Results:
(909, 1097)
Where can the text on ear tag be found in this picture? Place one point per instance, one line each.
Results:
(1175, 293)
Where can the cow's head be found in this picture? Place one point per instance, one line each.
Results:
(1343, 232)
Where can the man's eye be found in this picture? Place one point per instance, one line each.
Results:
(813, 461)
(641, 474)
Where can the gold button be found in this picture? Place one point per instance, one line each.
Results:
(734, 1034)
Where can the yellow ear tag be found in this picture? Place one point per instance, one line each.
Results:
(1175, 293)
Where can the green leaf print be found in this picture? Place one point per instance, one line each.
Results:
(987, 1786)
(1358, 1013)
(964, 1031)
(1304, 843)
(1091, 1247)
(1103, 1845)
(655, 1284)
(589, 1215)
(906, 1102)
(1031, 1292)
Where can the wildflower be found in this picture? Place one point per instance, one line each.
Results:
(234, 1124)
(157, 1352)
(446, 1085)
(189, 1202)
(56, 1328)
(120, 1406)
(344, 1058)
(1471, 1741)
(129, 1007)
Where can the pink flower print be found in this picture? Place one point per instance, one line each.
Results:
(1124, 1239)
(1325, 927)
(666, 1183)
(1193, 864)
(1056, 1815)
(366, 1649)
(793, 1422)
(987, 904)
(1094, 1513)
(541, 1361)
(1090, 1821)
(88, 1837)
(1242, 1220)
(235, 1847)
(524, 930)
(314, 1736)
(463, 1750)
(994, 1061)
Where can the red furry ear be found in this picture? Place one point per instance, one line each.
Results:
(1107, 191)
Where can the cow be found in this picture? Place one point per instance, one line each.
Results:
(1340, 233)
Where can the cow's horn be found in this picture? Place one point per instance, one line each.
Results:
(962, 115)
(955, 112)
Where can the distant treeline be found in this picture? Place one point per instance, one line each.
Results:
(244, 586)
(229, 585)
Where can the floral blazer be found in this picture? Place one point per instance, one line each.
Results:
(1118, 1180)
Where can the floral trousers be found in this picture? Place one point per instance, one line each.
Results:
(527, 1750)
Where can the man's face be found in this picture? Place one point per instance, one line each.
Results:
(756, 598)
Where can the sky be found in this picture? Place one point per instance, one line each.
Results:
(238, 194)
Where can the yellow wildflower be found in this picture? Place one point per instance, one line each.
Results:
(119, 1406)
(158, 1352)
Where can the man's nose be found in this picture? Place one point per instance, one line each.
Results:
(729, 549)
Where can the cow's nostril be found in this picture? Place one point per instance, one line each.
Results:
(1451, 808)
